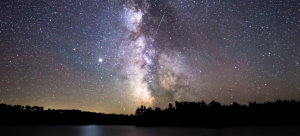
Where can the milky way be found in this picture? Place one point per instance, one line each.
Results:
(114, 55)
(155, 75)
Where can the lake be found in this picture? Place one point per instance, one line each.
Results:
(146, 131)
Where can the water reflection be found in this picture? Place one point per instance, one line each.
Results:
(93, 130)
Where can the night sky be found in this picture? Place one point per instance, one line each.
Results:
(112, 56)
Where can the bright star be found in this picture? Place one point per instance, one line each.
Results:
(100, 60)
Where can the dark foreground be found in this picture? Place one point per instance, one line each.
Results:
(183, 114)
(147, 131)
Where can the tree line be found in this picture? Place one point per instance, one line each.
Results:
(212, 114)
(279, 112)
(189, 107)
(4, 107)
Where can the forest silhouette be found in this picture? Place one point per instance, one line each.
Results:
(213, 114)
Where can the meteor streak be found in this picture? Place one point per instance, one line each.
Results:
(159, 24)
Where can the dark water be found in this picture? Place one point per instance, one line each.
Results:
(145, 131)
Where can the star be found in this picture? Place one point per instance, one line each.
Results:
(110, 55)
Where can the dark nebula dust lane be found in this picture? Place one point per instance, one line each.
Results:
(112, 56)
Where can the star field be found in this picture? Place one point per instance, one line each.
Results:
(112, 56)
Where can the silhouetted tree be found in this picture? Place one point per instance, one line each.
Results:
(138, 112)
(215, 104)
(177, 105)
(36, 108)
(170, 106)
(142, 109)
(149, 111)
(28, 108)
(157, 109)
(235, 104)
(202, 104)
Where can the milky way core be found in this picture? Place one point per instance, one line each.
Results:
(136, 61)
(152, 74)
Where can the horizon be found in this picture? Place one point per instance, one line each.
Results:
(166, 107)
(113, 56)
